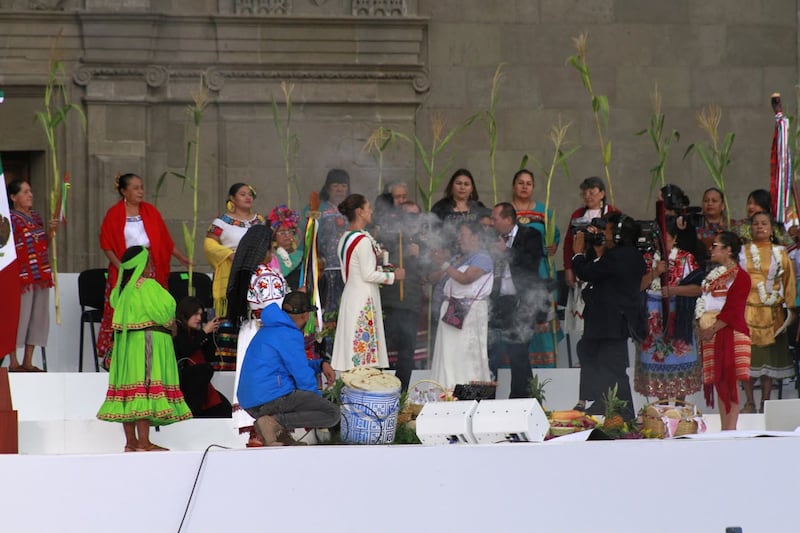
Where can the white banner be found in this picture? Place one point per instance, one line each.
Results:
(7, 250)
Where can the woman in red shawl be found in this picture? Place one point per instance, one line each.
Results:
(721, 328)
(133, 222)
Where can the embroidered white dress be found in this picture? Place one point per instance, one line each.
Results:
(267, 286)
(360, 340)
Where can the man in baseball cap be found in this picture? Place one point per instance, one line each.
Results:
(278, 383)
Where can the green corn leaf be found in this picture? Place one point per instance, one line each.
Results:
(524, 162)
(423, 155)
(727, 143)
(607, 153)
(602, 103)
(188, 241)
(564, 155)
(550, 228)
(539, 166)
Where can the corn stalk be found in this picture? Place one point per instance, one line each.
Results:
(490, 122)
(438, 143)
(715, 156)
(558, 136)
(290, 142)
(200, 99)
(661, 142)
(600, 108)
(56, 109)
(376, 144)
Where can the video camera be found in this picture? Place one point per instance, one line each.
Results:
(649, 237)
(676, 201)
(590, 238)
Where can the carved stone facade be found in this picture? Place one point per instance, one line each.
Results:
(262, 7)
(134, 76)
(358, 64)
(379, 8)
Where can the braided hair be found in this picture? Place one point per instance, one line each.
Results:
(250, 253)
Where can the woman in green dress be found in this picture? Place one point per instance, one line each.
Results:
(143, 383)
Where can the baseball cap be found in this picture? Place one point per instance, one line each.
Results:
(296, 303)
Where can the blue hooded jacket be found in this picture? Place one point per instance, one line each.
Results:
(275, 363)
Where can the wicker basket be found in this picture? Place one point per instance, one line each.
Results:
(684, 412)
(420, 393)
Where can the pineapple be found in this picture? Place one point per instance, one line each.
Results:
(536, 389)
(613, 419)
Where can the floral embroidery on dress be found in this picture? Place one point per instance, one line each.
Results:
(365, 341)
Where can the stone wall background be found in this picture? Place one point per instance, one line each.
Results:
(135, 63)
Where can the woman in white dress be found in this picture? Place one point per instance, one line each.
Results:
(461, 355)
(359, 339)
(253, 286)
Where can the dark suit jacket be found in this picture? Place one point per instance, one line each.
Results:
(531, 302)
(612, 297)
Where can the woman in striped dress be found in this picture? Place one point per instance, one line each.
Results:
(721, 329)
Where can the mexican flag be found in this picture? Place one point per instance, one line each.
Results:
(9, 274)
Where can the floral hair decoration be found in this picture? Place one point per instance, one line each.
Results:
(283, 217)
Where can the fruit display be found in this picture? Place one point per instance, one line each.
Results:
(566, 422)
(613, 420)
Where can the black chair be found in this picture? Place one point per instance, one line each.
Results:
(91, 294)
(178, 287)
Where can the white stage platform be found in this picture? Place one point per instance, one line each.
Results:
(70, 475)
(619, 487)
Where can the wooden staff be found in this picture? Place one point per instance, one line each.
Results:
(400, 251)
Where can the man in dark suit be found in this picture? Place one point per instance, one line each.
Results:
(519, 302)
(613, 310)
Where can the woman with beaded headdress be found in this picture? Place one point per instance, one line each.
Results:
(220, 244)
(253, 285)
(133, 222)
(769, 308)
(286, 254)
(143, 383)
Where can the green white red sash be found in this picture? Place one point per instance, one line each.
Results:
(346, 250)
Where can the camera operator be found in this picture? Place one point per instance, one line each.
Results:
(613, 309)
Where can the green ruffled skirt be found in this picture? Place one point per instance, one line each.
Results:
(143, 381)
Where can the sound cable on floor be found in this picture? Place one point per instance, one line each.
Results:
(197, 477)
